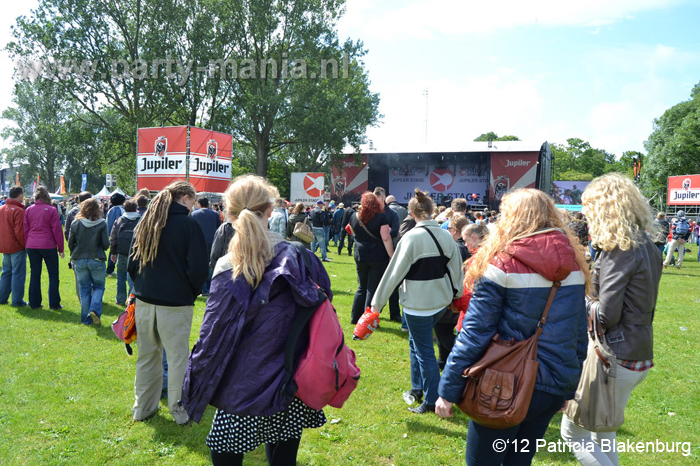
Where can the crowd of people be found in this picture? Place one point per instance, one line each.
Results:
(490, 274)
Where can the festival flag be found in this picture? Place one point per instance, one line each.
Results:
(83, 186)
(63, 185)
(17, 179)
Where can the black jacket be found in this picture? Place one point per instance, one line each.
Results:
(222, 238)
(181, 266)
(320, 218)
(88, 240)
(399, 209)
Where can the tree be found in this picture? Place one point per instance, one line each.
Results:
(577, 156)
(298, 85)
(235, 66)
(36, 136)
(674, 145)
(491, 136)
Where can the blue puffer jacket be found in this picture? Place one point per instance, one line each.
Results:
(238, 362)
(509, 300)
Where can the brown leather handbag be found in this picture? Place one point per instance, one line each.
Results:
(500, 385)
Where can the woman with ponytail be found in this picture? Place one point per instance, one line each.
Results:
(168, 264)
(237, 364)
(427, 268)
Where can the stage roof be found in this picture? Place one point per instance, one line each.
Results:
(496, 146)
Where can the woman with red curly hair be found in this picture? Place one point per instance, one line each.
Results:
(373, 249)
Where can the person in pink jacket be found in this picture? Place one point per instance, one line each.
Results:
(43, 238)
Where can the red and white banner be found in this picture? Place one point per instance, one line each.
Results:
(161, 157)
(512, 170)
(353, 180)
(210, 160)
(684, 190)
(307, 187)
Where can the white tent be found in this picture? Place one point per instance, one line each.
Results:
(103, 194)
(118, 190)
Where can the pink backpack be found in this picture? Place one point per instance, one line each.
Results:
(325, 373)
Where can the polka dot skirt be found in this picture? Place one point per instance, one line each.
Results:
(231, 433)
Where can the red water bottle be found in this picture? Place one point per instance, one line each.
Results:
(367, 324)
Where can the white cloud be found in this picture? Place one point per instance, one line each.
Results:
(457, 112)
(423, 19)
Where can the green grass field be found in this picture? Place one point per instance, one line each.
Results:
(66, 392)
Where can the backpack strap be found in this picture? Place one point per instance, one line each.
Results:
(442, 254)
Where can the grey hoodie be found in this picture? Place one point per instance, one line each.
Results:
(88, 239)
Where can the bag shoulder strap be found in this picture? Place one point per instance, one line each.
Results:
(442, 254)
(362, 224)
(550, 300)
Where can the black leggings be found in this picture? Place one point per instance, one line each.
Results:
(278, 454)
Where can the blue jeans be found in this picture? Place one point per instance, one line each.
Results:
(207, 284)
(424, 366)
(319, 240)
(50, 257)
(521, 440)
(14, 275)
(327, 234)
(123, 278)
(91, 274)
(591, 250)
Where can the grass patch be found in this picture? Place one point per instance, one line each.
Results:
(66, 392)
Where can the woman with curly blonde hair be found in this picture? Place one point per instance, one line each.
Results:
(626, 276)
(511, 276)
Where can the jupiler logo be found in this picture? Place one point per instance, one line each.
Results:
(161, 146)
(518, 163)
(212, 149)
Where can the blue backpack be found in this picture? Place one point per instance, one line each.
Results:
(682, 227)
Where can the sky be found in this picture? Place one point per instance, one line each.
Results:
(542, 70)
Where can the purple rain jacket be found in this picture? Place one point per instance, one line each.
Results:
(237, 364)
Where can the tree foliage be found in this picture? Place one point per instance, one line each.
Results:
(578, 156)
(272, 73)
(36, 134)
(491, 136)
(674, 145)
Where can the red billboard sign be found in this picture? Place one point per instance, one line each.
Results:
(511, 170)
(352, 180)
(210, 160)
(162, 158)
(684, 190)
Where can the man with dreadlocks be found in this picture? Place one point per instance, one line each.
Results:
(168, 265)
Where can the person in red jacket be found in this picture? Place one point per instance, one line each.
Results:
(43, 237)
(14, 256)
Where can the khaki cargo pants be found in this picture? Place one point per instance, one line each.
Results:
(161, 327)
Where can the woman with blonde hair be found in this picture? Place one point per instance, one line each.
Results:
(168, 264)
(87, 242)
(512, 275)
(238, 362)
(626, 276)
(427, 270)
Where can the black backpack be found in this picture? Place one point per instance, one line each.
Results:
(125, 235)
